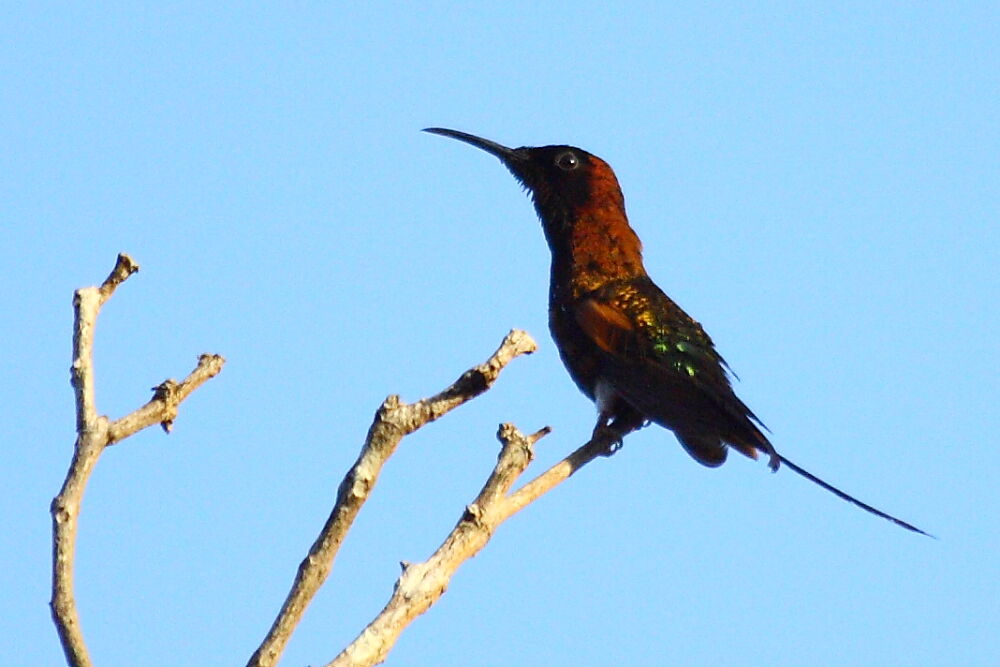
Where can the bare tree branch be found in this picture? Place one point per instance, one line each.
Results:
(599, 445)
(162, 408)
(393, 421)
(422, 584)
(94, 433)
(87, 304)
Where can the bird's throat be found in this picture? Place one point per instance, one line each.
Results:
(599, 247)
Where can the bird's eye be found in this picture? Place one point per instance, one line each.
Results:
(567, 161)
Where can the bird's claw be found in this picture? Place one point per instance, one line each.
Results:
(611, 437)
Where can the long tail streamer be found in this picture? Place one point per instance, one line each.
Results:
(851, 499)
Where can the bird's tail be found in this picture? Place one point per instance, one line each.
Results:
(849, 498)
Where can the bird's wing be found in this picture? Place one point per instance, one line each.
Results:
(637, 323)
(664, 363)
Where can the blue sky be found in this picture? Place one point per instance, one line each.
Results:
(819, 187)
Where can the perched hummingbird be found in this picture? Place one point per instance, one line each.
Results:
(625, 343)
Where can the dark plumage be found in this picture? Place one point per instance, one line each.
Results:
(625, 343)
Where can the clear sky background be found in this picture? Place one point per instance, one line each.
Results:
(819, 187)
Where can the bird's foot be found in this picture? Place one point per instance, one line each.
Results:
(611, 437)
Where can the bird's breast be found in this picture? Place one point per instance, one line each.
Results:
(577, 352)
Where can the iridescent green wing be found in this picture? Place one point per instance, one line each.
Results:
(654, 342)
(635, 321)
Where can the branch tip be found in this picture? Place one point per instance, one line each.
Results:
(539, 434)
(391, 402)
(521, 342)
(125, 266)
(507, 432)
(213, 362)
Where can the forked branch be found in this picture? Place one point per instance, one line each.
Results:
(422, 584)
(94, 433)
(419, 586)
(393, 421)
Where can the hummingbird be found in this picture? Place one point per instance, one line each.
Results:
(627, 345)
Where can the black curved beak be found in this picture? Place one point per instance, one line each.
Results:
(509, 156)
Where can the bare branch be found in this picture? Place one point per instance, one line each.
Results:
(393, 421)
(125, 266)
(422, 584)
(162, 408)
(556, 475)
(418, 587)
(94, 433)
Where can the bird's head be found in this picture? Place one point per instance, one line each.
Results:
(563, 180)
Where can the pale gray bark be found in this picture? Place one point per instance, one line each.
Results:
(420, 584)
(94, 432)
